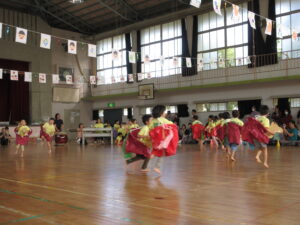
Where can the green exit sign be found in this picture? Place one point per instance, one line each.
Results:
(111, 105)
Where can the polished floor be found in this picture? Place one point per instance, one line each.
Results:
(87, 186)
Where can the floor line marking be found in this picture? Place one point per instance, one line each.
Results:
(32, 217)
(24, 214)
(51, 177)
(40, 199)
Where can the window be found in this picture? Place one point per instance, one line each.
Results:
(109, 70)
(202, 107)
(149, 110)
(288, 15)
(216, 107)
(219, 37)
(166, 39)
(125, 112)
(295, 102)
(172, 109)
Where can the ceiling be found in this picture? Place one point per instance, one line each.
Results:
(95, 16)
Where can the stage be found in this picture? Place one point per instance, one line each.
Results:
(89, 185)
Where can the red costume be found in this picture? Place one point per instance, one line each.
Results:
(233, 132)
(22, 140)
(253, 129)
(220, 132)
(164, 140)
(133, 145)
(198, 131)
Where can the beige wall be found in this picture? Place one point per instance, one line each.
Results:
(46, 61)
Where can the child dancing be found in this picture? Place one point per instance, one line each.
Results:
(22, 136)
(48, 132)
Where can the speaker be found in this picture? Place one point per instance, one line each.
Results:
(183, 110)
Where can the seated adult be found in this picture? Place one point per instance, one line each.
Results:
(254, 112)
(58, 122)
(291, 132)
(4, 136)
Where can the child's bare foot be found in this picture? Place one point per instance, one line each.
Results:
(145, 170)
(22, 155)
(232, 159)
(258, 159)
(49, 151)
(157, 170)
(266, 165)
(16, 152)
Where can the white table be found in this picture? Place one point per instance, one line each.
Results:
(97, 132)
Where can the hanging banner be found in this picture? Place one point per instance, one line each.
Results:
(221, 62)
(269, 26)
(100, 80)
(45, 41)
(236, 16)
(130, 78)
(69, 79)
(122, 78)
(93, 80)
(217, 6)
(14, 75)
(195, 3)
(1, 73)
(72, 47)
(279, 31)
(92, 50)
(115, 54)
(21, 35)
(149, 75)
(162, 60)
(294, 35)
(140, 76)
(188, 62)
(42, 78)
(147, 59)
(113, 79)
(132, 57)
(28, 77)
(1, 30)
(200, 63)
(55, 78)
(175, 62)
(248, 60)
(251, 18)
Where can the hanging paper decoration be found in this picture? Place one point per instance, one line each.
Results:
(195, 3)
(279, 31)
(217, 6)
(251, 18)
(175, 61)
(1, 73)
(147, 59)
(55, 78)
(28, 77)
(14, 75)
(140, 76)
(93, 80)
(115, 54)
(113, 79)
(1, 30)
(269, 25)
(162, 60)
(248, 60)
(294, 35)
(42, 78)
(69, 79)
(100, 80)
(188, 62)
(122, 78)
(130, 78)
(7, 30)
(92, 50)
(132, 57)
(236, 16)
(200, 63)
(149, 76)
(21, 35)
(45, 41)
(240, 62)
(72, 47)
(221, 62)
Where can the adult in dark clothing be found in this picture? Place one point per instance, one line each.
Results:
(58, 122)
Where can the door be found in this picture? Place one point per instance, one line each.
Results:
(111, 115)
(246, 105)
(71, 120)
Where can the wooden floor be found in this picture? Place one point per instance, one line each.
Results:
(89, 186)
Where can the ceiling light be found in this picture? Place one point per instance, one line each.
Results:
(76, 1)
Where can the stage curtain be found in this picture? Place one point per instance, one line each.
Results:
(128, 48)
(185, 48)
(257, 46)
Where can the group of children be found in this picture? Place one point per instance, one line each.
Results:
(229, 132)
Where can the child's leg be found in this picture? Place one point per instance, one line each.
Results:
(145, 164)
(258, 156)
(157, 165)
(17, 149)
(49, 146)
(22, 150)
(136, 158)
(265, 150)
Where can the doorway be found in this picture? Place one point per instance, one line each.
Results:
(111, 115)
(246, 105)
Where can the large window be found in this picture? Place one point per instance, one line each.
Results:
(111, 70)
(162, 44)
(216, 107)
(221, 37)
(288, 15)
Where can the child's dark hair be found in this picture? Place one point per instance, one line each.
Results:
(132, 120)
(221, 116)
(146, 118)
(158, 110)
(195, 117)
(194, 111)
(226, 115)
(235, 113)
(294, 123)
(211, 117)
(52, 119)
(264, 110)
(80, 125)
(124, 123)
